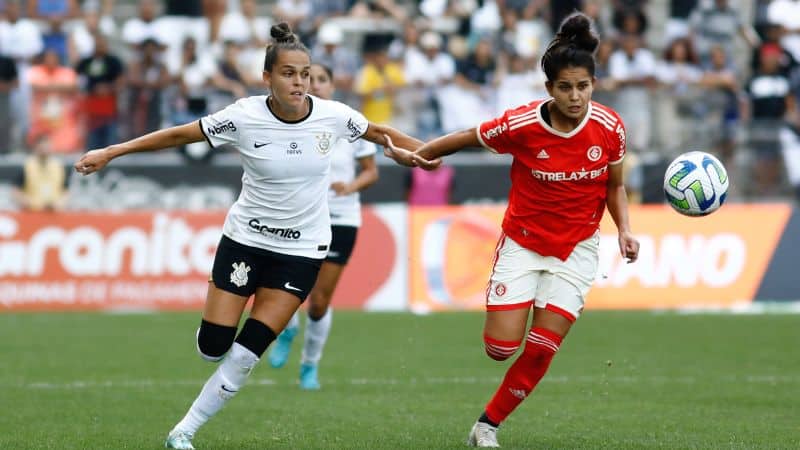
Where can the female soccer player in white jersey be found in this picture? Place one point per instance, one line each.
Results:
(277, 234)
(345, 210)
(567, 167)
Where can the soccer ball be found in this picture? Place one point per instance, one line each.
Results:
(696, 184)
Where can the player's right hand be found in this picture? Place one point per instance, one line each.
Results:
(92, 161)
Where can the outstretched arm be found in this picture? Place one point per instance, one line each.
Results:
(429, 156)
(170, 137)
(377, 134)
(617, 202)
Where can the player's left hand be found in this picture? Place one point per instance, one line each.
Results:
(628, 246)
(399, 155)
(92, 161)
(341, 188)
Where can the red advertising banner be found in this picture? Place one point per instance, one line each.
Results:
(90, 261)
(718, 260)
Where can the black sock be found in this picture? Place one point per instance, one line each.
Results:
(255, 336)
(485, 419)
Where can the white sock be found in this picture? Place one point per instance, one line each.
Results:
(315, 337)
(229, 377)
(294, 322)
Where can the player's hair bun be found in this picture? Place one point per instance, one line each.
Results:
(282, 33)
(577, 30)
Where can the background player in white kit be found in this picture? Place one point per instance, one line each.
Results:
(345, 210)
(278, 232)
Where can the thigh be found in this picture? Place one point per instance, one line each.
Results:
(223, 308)
(506, 325)
(274, 307)
(550, 320)
(343, 240)
(328, 278)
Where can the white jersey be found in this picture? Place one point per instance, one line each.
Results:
(283, 204)
(346, 209)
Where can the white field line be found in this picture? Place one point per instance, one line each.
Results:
(583, 379)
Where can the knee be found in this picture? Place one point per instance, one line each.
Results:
(213, 340)
(318, 304)
(500, 350)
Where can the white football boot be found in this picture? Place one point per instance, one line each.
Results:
(483, 435)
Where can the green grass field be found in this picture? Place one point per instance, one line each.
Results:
(390, 381)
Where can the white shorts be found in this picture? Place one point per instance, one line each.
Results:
(521, 277)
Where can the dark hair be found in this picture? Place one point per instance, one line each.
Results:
(573, 46)
(283, 39)
(326, 69)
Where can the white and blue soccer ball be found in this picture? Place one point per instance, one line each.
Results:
(696, 184)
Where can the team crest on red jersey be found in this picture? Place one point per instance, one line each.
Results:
(594, 153)
(500, 289)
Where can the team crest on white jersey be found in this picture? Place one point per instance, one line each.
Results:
(594, 153)
(323, 142)
(239, 274)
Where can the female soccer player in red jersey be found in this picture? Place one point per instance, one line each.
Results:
(567, 167)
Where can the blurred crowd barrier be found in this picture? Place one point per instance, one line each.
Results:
(419, 259)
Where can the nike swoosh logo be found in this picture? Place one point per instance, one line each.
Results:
(290, 287)
(228, 390)
(260, 144)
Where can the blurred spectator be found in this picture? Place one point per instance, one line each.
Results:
(408, 39)
(102, 80)
(786, 14)
(525, 9)
(720, 104)
(677, 25)
(323, 10)
(604, 86)
(229, 79)
(630, 20)
(718, 25)
(486, 20)
(145, 26)
(20, 40)
(594, 10)
(455, 14)
(426, 70)
(377, 83)
(49, 10)
(430, 188)
(54, 105)
(470, 97)
(9, 80)
(519, 81)
(43, 180)
(246, 26)
(771, 106)
(293, 12)
(330, 52)
(147, 78)
(195, 73)
(378, 9)
(56, 39)
(772, 35)
(679, 73)
(632, 68)
(526, 37)
(81, 37)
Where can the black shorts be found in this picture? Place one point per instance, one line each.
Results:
(342, 242)
(240, 269)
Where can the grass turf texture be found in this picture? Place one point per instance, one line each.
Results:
(621, 380)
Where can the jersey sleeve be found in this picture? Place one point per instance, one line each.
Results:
(222, 127)
(618, 143)
(497, 135)
(350, 124)
(364, 149)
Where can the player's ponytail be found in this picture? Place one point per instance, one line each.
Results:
(573, 46)
(283, 39)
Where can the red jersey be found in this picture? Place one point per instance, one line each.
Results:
(558, 180)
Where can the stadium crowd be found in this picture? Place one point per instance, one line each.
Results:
(684, 74)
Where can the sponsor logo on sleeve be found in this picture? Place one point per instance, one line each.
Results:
(621, 134)
(354, 129)
(224, 127)
(494, 132)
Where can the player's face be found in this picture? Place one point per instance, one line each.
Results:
(572, 91)
(321, 83)
(290, 78)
